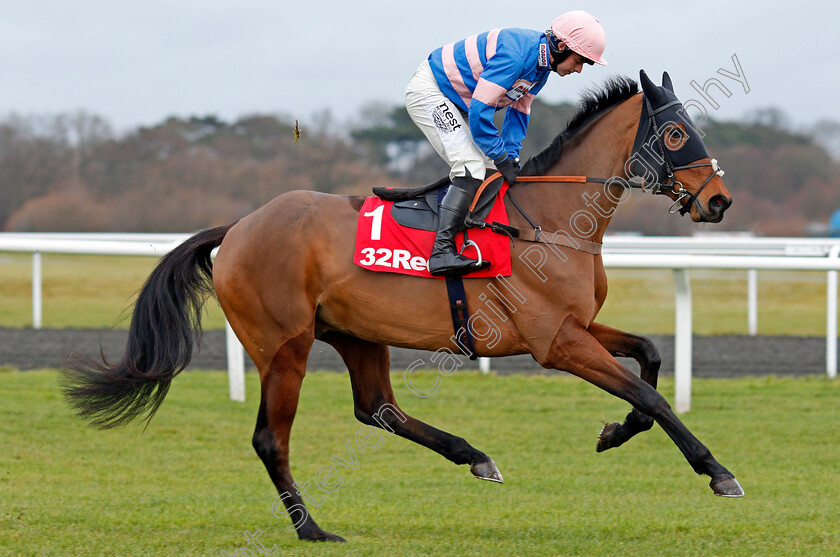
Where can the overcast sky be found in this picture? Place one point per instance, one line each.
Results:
(138, 62)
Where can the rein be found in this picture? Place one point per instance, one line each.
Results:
(558, 179)
(535, 234)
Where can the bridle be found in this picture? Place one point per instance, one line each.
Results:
(668, 168)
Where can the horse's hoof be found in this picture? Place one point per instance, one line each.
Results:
(726, 486)
(333, 538)
(486, 471)
(322, 536)
(605, 437)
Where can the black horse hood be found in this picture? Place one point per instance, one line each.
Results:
(670, 129)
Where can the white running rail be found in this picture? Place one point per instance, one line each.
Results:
(679, 254)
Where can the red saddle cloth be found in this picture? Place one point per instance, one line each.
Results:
(384, 245)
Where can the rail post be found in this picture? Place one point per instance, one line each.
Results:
(831, 318)
(37, 282)
(752, 301)
(236, 365)
(682, 342)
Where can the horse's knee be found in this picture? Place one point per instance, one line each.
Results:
(646, 353)
(650, 355)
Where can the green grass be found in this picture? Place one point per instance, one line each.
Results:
(94, 292)
(789, 303)
(79, 291)
(191, 484)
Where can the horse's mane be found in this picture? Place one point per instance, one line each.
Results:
(593, 103)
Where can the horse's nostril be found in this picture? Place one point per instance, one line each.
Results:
(719, 203)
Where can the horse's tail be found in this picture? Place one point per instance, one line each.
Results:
(165, 325)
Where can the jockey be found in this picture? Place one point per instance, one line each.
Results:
(455, 92)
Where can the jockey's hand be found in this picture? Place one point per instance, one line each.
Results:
(509, 167)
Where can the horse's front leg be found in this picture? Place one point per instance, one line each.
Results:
(641, 349)
(375, 405)
(575, 350)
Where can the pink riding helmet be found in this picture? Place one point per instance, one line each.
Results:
(583, 33)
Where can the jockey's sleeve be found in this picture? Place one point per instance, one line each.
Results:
(499, 75)
(516, 120)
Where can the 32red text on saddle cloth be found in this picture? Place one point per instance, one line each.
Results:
(384, 245)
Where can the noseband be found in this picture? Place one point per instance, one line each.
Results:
(682, 193)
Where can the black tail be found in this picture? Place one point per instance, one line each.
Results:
(165, 325)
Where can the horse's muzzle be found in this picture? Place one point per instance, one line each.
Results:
(718, 204)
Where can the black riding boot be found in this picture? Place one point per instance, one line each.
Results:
(445, 259)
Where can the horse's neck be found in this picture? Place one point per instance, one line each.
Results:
(600, 151)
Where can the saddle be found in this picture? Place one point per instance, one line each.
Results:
(417, 207)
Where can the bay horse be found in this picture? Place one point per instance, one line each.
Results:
(284, 276)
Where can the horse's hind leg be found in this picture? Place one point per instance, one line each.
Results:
(375, 405)
(575, 350)
(641, 349)
(278, 403)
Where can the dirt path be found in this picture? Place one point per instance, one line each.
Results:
(722, 356)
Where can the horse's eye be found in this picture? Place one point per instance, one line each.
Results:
(675, 137)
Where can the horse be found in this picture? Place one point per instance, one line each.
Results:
(284, 276)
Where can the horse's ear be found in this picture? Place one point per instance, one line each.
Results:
(650, 90)
(666, 82)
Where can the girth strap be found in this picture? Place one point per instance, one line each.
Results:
(557, 239)
(460, 315)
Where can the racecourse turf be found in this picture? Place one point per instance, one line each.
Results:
(191, 484)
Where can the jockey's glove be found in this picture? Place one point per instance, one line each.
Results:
(509, 167)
